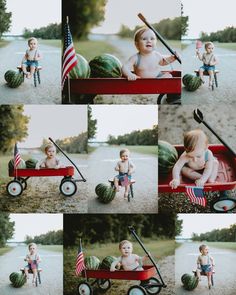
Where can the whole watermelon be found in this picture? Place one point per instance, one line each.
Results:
(17, 279)
(187, 78)
(185, 277)
(9, 75)
(92, 262)
(105, 193)
(167, 156)
(31, 163)
(107, 261)
(105, 66)
(191, 82)
(190, 283)
(81, 70)
(21, 165)
(15, 80)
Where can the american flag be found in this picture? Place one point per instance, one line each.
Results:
(69, 58)
(79, 265)
(17, 157)
(196, 195)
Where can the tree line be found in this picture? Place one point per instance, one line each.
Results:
(52, 31)
(50, 238)
(227, 35)
(217, 235)
(137, 137)
(6, 228)
(104, 228)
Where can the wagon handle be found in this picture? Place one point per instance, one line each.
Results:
(67, 158)
(159, 36)
(198, 116)
(132, 231)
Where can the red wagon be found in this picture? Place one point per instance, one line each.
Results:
(102, 278)
(67, 186)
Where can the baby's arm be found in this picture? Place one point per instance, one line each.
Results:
(117, 168)
(40, 164)
(214, 61)
(24, 58)
(167, 60)
(114, 264)
(199, 55)
(127, 68)
(175, 182)
(38, 56)
(207, 170)
(131, 168)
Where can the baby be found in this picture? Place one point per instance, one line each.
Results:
(31, 58)
(51, 161)
(146, 63)
(197, 162)
(125, 168)
(128, 260)
(205, 264)
(33, 260)
(209, 61)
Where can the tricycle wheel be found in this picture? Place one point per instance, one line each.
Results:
(68, 187)
(14, 188)
(84, 289)
(136, 290)
(223, 205)
(152, 286)
(103, 285)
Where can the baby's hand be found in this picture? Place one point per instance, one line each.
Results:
(132, 77)
(112, 269)
(174, 183)
(199, 182)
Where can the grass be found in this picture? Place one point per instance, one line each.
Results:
(158, 250)
(4, 43)
(54, 42)
(230, 46)
(54, 248)
(90, 49)
(223, 245)
(5, 250)
(143, 149)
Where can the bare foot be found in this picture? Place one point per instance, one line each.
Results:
(117, 189)
(28, 75)
(126, 195)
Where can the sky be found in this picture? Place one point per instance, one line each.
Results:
(35, 224)
(33, 14)
(120, 119)
(55, 121)
(201, 223)
(125, 12)
(208, 16)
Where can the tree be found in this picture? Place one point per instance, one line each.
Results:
(6, 228)
(5, 18)
(184, 22)
(92, 128)
(83, 15)
(13, 126)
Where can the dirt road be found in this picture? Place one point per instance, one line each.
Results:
(225, 271)
(51, 276)
(48, 92)
(101, 167)
(226, 92)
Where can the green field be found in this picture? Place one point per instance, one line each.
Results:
(54, 42)
(143, 149)
(158, 250)
(54, 248)
(230, 46)
(223, 245)
(5, 250)
(4, 43)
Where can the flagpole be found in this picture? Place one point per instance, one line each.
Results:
(68, 78)
(85, 273)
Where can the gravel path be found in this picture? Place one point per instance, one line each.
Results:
(101, 167)
(226, 92)
(51, 277)
(225, 271)
(48, 92)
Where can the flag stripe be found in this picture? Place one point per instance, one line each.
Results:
(79, 265)
(17, 157)
(196, 195)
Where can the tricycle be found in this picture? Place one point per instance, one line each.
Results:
(149, 284)
(226, 178)
(67, 186)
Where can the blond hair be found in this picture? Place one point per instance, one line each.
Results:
(124, 242)
(124, 151)
(32, 38)
(139, 32)
(32, 244)
(202, 247)
(191, 139)
(208, 44)
(48, 146)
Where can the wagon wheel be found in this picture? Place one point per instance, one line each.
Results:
(137, 290)
(84, 289)
(23, 182)
(103, 285)
(152, 286)
(14, 188)
(68, 187)
(223, 205)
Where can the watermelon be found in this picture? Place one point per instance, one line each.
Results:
(190, 282)
(81, 70)
(185, 277)
(191, 82)
(187, 78)
(9, 75)
(92, 262)
(105, 193)
(15, 80)
(105, 66)
(107, 261)
(17, 279)
(20, 166)
(31, 163)
(167, 156)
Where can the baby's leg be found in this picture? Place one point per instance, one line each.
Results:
(164, 75)
(198, 274)
(32, 70)
(24, 69)
(26, 272)
(34, 270)
(126, 191)
(190, 173)
(214, 172)
(211, 77)
(116, 184)
(201, 74)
